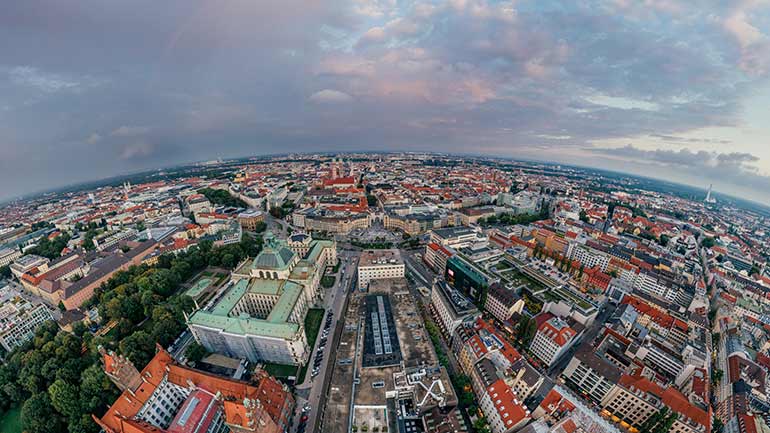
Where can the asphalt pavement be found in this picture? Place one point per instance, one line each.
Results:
(311, 391)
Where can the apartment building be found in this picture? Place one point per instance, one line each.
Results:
(594, 371)
(635, 398)
(502, 302)
(553, 338)
(451, 308)
(436, 256)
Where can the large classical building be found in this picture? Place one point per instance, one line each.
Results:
(260, 314)
(166, 397)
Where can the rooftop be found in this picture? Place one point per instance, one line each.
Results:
(380, 258)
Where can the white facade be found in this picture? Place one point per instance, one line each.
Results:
(379, 265)
(589, 258)
(163, 404)
(18, 321)
(8, 255)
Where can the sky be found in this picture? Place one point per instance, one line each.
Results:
(678, 90)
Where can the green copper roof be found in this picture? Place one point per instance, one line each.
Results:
(242, 326)
(275, 255)
(285, 305)
(276, 325)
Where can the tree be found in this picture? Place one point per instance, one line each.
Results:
(39, 416)
(653, 420)
(521, 330)
(481, 426)
(583, 216)
(195, 352)
(96, 390)
(64, 398)
(5, 271)
(222, 197)
(138, 347)
(708, 242)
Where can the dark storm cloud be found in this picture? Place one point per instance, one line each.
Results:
(737, 168)
(93, 88)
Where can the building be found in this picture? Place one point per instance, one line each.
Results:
(166, 397)
(329, 221)
(436, 256)
(635, 398)
(260, 315)
(251, 219)
(562, 412)
(502, 302)
(27, 263)
(198, 203)
(451, 308)
(594, 371)
(463, 275)
(553, 338)
(457, 237)
(378, 265)
(112, 238)
(8, 255)
(19, 318)
(440, 420)
(72, 279)
(502, 408)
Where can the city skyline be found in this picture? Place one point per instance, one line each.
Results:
(665, 89)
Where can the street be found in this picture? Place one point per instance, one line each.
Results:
(311, 391)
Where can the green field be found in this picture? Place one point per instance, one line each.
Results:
(280, 370)
(11, 421)
(312, 326)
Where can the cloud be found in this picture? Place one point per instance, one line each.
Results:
(677, 139)
(330, 96)
(754, 43)
(737, 168)
(130, 131)
(93, 138)
(194, 80)
(43, 81)
(137, 150)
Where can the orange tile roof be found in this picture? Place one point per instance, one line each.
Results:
(275, 400)
(511, 410)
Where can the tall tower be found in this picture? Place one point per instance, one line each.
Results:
(120, 370)
(126, 190)
(709, 198)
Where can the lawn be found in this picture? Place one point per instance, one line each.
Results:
(328, 281)
(221, 278)
(312, 326)
(10, 422)
(280, 370)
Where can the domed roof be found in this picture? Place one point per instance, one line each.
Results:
(275, 255)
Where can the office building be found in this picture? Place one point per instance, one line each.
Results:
(378, 265)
